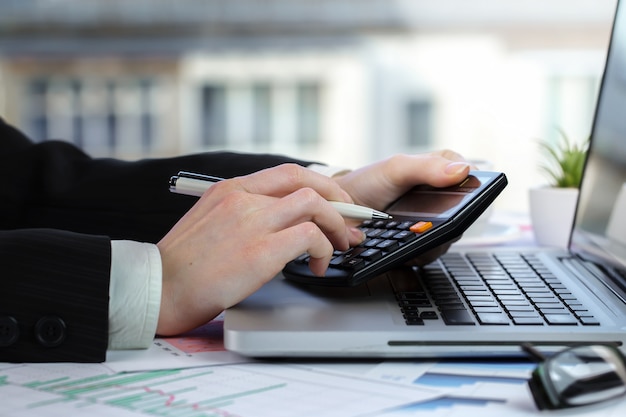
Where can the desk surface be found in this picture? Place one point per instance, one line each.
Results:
(194, 376)
(225, 385)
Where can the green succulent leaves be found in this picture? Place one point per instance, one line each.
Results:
(564, 161)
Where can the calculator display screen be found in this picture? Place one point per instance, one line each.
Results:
(426, 201)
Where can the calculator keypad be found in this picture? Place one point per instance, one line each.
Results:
(381, 238)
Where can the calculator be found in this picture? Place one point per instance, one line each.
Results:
(422, 219)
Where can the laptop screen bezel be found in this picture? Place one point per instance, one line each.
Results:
(585, 244)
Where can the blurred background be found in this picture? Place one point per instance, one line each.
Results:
(341, 81)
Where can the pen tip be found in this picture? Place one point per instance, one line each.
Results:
(381, 215)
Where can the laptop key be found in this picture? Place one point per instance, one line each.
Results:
(508, 298)
(561, 319)
(415, 303)
(414, 321)
(589, 321)
(513, 304)
(471, 293)
(530, 313)
(412, 295)
(428, 315)
(546, 306)
(483, 304)
(457, 317)
(450, 304)
(535, 321)
(493, 318)
(504, 293)
(487, 309)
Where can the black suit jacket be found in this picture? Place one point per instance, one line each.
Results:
(59, 209)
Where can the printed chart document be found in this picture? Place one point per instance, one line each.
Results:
(254, 390)
(194, 376)
(200, 347)
(485, 388)
(298, 389)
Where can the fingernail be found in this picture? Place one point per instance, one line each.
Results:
(357, 233)
(456, 168)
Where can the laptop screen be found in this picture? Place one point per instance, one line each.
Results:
(600, 227)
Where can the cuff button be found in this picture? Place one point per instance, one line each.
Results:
(9, 331)
(50, 331)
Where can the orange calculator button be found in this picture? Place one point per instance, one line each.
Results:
(420, 227)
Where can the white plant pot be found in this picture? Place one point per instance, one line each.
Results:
(552, 214)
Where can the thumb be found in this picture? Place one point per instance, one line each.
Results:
(434, 169)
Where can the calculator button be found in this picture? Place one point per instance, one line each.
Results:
(371, 254)
(405, 225)
(354, 252)
(371, 243)
(388, 234)
(388, 245)
(421, 227)
(404, 236)
(374, 232)
(354, 263)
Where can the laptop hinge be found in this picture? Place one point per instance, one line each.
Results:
(583, 269)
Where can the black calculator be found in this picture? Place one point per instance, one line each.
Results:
(422, 219)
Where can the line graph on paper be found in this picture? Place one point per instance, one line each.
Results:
(217, 391)
(192, 393)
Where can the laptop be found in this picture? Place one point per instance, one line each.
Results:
(482, 302)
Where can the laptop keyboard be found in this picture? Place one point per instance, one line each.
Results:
(488, 289)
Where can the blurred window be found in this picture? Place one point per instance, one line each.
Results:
(213, 117)
(103, 117)
(419, 123)
(263, 111)
(308, 113)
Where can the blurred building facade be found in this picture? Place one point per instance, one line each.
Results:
(342, 81)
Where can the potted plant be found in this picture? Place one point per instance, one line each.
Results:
(552, 207)
(563, 161)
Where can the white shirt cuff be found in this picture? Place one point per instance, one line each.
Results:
(135, 288)
(134, 294)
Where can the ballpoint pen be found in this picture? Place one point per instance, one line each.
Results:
(190, 183)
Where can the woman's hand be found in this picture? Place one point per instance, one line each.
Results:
(381, 183)
(243, 231)
(240, 234)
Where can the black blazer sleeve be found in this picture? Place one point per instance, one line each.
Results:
(59, 208)
(55, 185)
(53, 296)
